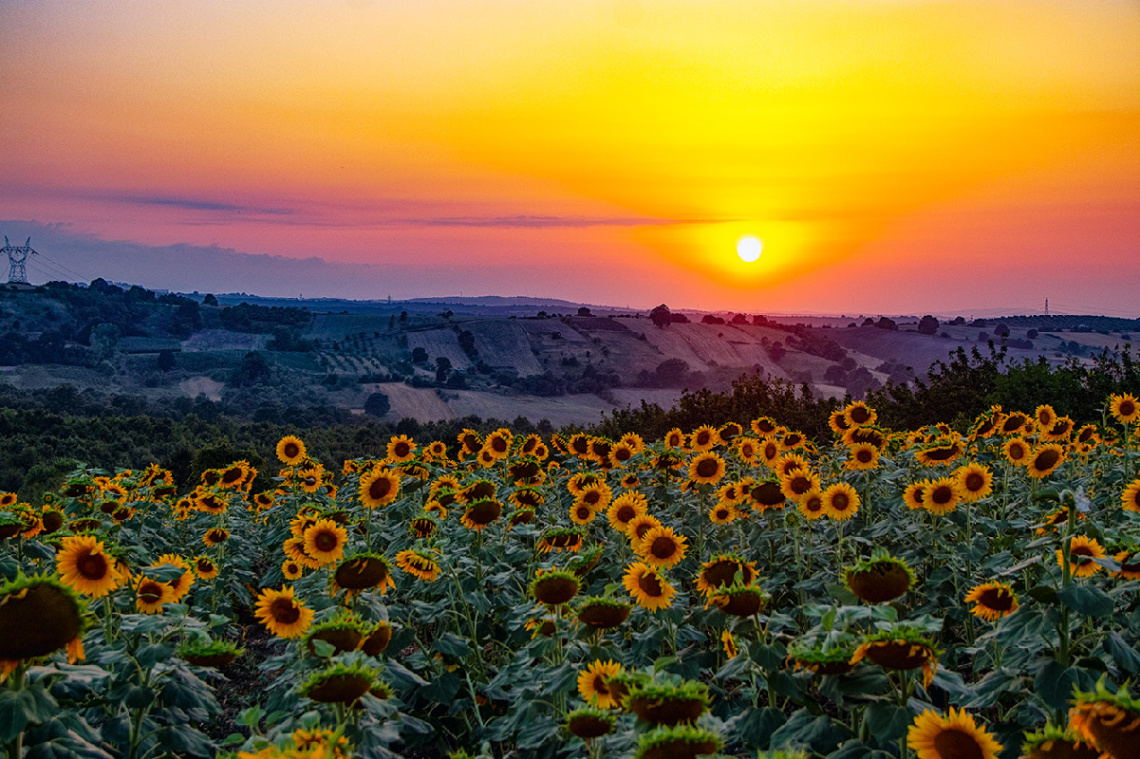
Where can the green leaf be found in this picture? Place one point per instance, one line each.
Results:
(734, 667)
(14, 714)
(442, 689)
(1086, 599)
(251, 717)
(452, 645)
(1123, 654)
(322, 648)
(139, 697)
(756, 728)
(1054, 683)
(886, 722)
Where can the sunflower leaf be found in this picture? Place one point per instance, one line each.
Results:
(1086, 599)
(1125, 656)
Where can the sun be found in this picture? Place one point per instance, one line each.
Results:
(749, 248)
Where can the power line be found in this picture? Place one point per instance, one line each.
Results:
(72, 272)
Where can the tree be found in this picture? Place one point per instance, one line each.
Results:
(442, 367)
(885, 323)
(419, 355)
(377, 404)
(209, 300)
(928, 325)
(672, 372)
(253, 370)
(583, 311)
(166, 360)
(660, 316)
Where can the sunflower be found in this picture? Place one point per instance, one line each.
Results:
(941, 496)
(678, 742)
(1124, 408)
(498, 443)
(589, 722)
(561, 539)
(344, 633)
(1059, 430)
(290, 450)
(986, 424)
(648, 588)
(379, 487)
(469, 441)
(666, 704)
(377, 639)
(975, 482)
(400, 448)
(862, 456)
(180, 585)
(436, 451)
(1082, 551)
(620, 454)
(83, 564)
(914, 496)
(764, 495)
(209, 503)
(1044, 460)
(554, 587)
(481, 513)
(798, 482)
(596, 496)
(955, 736)
(339, 684)
(1129, 561)
(151, 595)
(362, 571)
(738, 599)
(859, 414)
(940, 452)
(1045, 416)
(39, 615)
(582, 514)
(592, 683)
(880, 578)
(291, 570)
(1110, 721)
(1015, 423)
(281, 614)
(324, 541)
(638, 527)
(205, 568)
(234, 476)
(624, 508)
(769, 451)
(704, 438)
(992, 600)
(810, 504)
(661, 547)
(603, 613)
(1016, 451)
(706, 467)
(722, 513)
(901, 648)
(840, 501)
(418, 565)
(724, 570)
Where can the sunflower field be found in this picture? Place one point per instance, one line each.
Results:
(940, 593)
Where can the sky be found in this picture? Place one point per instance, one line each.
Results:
(894, 156)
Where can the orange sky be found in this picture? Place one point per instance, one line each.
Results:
(896, 156)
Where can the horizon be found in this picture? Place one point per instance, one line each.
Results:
(893, 157)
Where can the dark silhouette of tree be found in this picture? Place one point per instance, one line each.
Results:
(166, 360)
(661, 316)
(209, 300)
(377, 404)
(928, 325)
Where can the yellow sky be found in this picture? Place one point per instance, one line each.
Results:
(845, 134)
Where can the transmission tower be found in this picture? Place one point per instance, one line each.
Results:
(17, 255)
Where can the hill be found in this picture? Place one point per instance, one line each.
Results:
(492, 357)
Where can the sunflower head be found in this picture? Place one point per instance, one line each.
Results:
(951, 737)
(38, 615)
(290, 450)
(209, 653)
(738, 599)
(650, 589)
(344, 633)
(992, 600)
(834, 658)
(593, 683)
(1108, 720)
(340, 684)
(724, 570)
(1056, 742)
(880, 578)
(678, 741)
(661, 547)
(283, 615)
(1125, 408)
(554, 588)
(603, 613)
(589, 722)
(362, 571)
(665, 704)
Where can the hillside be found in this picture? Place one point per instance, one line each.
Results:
(415, 362)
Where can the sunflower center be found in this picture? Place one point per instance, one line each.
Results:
(1084, 551)
(499, 444)
(860, 415)
(1047, 459)
(150, 591)
(626, 513)
(93, 566)
(591, 497)
(997, 599)
(231, 475)
(600, 686)
(864, 456)
(291, 450)
(649, 584)
(956, 744)
(1127, 408)
(663, 547)
(814, 504)
(703, 438)
(1016, 452)
(840, 501)
(706, 468)
(284, 611)
(379, 488)
(326, 541)
(975, 482)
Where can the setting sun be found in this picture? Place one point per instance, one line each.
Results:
(749, 248)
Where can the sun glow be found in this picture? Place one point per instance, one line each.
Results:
(749, 248)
